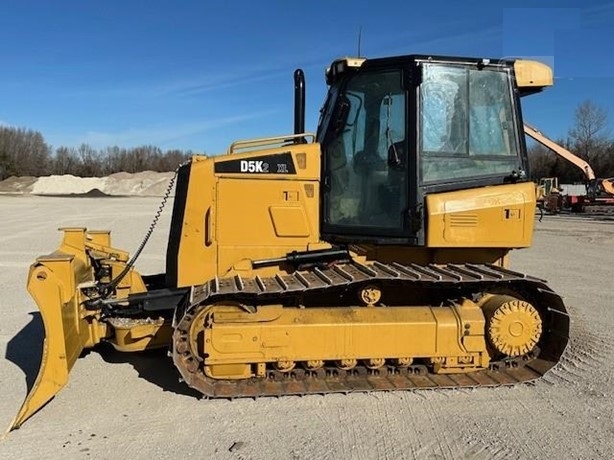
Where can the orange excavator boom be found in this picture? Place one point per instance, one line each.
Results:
(560, 151)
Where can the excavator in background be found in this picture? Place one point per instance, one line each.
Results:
(602, 192)
(550, 194)
(372, 255)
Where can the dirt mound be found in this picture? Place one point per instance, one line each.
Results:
(146, 183)
(120, 176)
(17, 185)
(94, 193)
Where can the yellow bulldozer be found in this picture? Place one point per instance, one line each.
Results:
(371, 255)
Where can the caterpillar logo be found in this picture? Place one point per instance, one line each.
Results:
(254, 166)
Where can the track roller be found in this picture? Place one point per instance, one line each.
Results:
(347, 364)
(374, 363)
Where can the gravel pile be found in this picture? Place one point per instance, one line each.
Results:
(147, 183)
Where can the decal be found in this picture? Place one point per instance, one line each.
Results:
(280, 163)
(257, 166)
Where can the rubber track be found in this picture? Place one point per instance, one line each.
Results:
(468, 278)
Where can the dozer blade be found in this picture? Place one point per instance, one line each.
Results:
(52, 282)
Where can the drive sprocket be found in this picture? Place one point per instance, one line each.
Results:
(514, 326)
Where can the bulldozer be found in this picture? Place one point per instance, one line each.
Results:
(549, 194)
(370, 255)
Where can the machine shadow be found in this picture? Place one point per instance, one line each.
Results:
(20, 351)
(152, 365)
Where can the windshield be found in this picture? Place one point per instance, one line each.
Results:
(364, 148)
(467, 123)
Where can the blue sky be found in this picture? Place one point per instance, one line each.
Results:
(198, 75)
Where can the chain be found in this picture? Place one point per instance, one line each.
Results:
(106, 289)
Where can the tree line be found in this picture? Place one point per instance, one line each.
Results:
(588, 138)
(24, 152)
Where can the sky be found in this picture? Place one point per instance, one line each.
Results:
(198, 75)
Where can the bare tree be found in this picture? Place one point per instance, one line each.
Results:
(541, 161)
(589, 137)
(23, 152)
(65, 161)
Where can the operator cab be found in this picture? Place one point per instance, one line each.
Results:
(393, 130)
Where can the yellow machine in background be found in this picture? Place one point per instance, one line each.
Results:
(549, 194)
(372, 255)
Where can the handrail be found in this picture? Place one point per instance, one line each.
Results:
(266, 141)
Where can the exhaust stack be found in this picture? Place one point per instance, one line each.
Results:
(299, 105)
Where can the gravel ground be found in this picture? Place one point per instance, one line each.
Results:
(132, 406)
